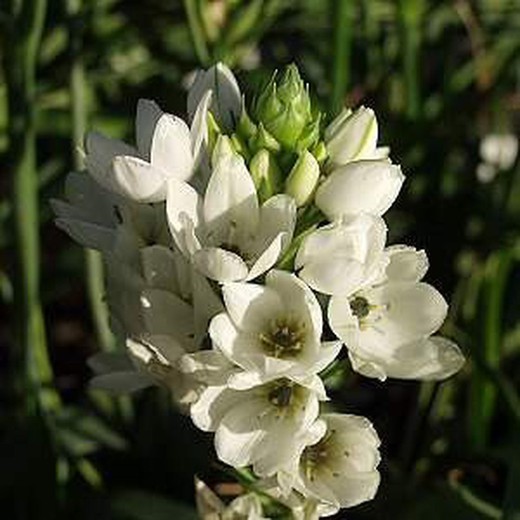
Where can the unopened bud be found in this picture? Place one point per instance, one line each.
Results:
(266, 174)
(352, 136)
(303, 178)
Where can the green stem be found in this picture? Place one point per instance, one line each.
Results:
(483, 390)
(78, 95)
(197, 32)
(342, 16)
(21, 60)
(411, 14)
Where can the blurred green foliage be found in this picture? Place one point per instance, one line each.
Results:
(441, 75)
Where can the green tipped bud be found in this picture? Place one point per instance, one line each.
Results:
(214, 130)
(240, 146)
(310, 135)
(266, 174)
(263, 139)
(320, 152)
(223, 148)
(284, 107)
(246, 128)
(303, 179)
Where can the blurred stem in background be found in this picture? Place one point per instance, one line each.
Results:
(78, 96)
(411, 14)
(483, 390)
(342, 17)
(31, 357)
(197, 32)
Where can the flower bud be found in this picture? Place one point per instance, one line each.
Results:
(223, 148)
(266, 174)
(352, 136)
(284, 107)
(303, 178)
(263, 139)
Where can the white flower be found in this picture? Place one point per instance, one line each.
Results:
(499, 150)
(88, 214)
(227, 235)
(352, 136)
(336, 461)
(368, 186)
(148, 361)
(166, 148)
(226, 102)
(272, 330)
(256, 426)
(343, 257)
(387, 326)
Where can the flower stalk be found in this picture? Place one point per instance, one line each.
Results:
(31, 355)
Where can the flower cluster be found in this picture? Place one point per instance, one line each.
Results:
(226, 244)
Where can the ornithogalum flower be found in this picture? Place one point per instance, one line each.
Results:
(343, 257)
(337, 461)
(166, 148)
(387, 326)
(272, 330)
(227, 235)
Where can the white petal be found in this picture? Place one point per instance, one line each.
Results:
(166, 314)
(239, 433)
(342, 322)
(183, 207)
(210, 367)
(268, 257)
(297, 298)
(406, 263)
(230, 204)
(214, 402)
(148, 114)
(101, 151)
(226, 103)
(171, 148)
(108, 362)
(278, 214)
(342, 258)
(122, 382)
(430, 359)
(251, 306)
(219, 264)
(88, 235)
(159, 268)
(199, 129)
(406, 312)
(137, 179)
(360, 187)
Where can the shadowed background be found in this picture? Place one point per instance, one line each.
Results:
(441, 76)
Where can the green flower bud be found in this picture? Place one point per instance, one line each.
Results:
(263, 139)
(246, 128)
(266, 174)
(303, 179)
(310, 135)
(320, 152)
(284, 107)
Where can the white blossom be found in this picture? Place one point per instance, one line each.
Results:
(256, 426)
(367, 186)
(166, 148)
(226, 234)
(336, 461)
(352, 136)
(344, 256)
(499, 150)
(272, 330)
(387, 326)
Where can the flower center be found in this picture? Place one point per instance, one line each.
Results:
(284, 339)
(281, 394)
(313, 457)
(360, 307)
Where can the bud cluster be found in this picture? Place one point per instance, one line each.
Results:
(244, 253)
